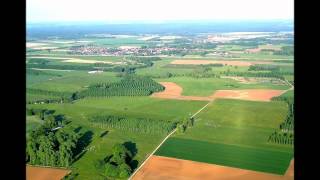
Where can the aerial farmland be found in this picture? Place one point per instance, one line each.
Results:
(133, 105)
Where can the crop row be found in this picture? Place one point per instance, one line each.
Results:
(139, 125)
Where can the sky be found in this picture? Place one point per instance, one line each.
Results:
(157, 10)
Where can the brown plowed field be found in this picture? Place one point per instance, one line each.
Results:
(233, 63)
(41, 173)
(174, 91)
(248, 94)
(158, 168)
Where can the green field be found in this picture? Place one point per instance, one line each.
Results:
(256, 159)
(241, 127)
(70, 81)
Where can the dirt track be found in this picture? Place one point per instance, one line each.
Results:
(174, 91)
(41, 173)
(233, 63)
(158, 168)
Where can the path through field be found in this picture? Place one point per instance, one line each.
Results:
(163, 142)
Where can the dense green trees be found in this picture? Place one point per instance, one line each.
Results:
(263, 67)
(274, 74)
(130, 85)
(49, 147)
(139, 125)
(117, 164)
(184, 124)
(285, 133)
(286, 51)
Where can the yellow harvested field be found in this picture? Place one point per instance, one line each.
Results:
(42, 173)
(158, 168)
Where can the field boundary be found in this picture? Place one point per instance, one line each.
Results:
(52, 167)
(132, 175)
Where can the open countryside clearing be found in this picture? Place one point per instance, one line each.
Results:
(159, 167)
(232, 63)
(42, 173)
(174, 91)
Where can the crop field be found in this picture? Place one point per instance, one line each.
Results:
(159, 167)
(69, 81)
(236, 126)
(38, 173)
(227, 155)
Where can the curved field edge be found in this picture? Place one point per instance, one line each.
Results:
(228, 155)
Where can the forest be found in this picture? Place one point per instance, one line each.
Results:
(50, 144)
(130, 85)
(139, 125)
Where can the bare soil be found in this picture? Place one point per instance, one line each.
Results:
(174, 91)
(158, 168)
(248, 94)
(41, 173)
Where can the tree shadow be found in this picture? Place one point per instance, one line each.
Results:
(59, 118)
(83, 142)
(131, 147)
(134, 164)
(104, 133)
(77, 129)
(50, 111)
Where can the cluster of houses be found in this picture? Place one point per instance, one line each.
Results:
(95, 50)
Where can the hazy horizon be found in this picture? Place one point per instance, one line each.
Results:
(126, 11)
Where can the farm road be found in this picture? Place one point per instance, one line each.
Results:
(165, 140)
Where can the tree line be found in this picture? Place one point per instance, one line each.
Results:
(285, 134)
(139, 125)
(285, 51)
(263, 67)
(272, 74)
(53, 96)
